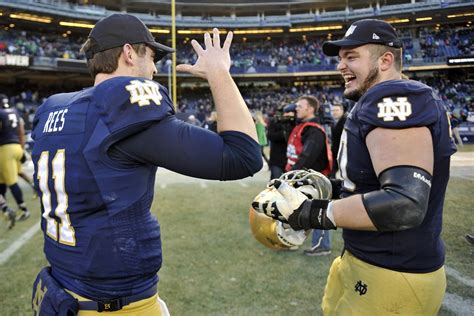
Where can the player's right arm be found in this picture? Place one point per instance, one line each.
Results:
(213, 64)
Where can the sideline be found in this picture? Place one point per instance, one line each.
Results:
(17, 244)
(457, 304)
(459, 277)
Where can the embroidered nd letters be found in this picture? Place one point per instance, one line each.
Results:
(142, 92)
(38, 299)
(389, 109)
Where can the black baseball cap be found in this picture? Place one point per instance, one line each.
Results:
(119, 29)
(367, 31)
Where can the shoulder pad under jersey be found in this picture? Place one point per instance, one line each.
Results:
(126, 101)
(397, 104)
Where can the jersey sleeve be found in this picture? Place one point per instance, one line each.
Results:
(397, 106)
(191, 150)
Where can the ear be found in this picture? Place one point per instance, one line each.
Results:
(127, 54)
(386, 61)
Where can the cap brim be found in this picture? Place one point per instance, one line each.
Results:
(160, 50)
(332, 48)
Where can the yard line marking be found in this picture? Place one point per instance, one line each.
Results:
(203, 185)
(459, 277)
(458, 305)
(243, 184)
(463, 177)
(17, 244)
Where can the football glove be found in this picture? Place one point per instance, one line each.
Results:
(304, 214)
(273, 204)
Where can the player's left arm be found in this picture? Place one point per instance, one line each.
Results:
(398, 157)
(403, 160)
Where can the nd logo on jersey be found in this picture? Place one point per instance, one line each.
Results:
(142, 92)
(389, 109)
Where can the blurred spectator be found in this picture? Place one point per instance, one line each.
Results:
(455, 129)
(193, 120)
(211, 122)
(339, 116)
(261, 127)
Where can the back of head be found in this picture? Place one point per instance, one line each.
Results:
(4, 103)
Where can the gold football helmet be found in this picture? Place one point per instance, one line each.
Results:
(273, 233)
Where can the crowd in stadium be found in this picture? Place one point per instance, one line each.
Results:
(458, 96)
(423, 44)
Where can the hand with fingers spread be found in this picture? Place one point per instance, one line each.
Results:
(212, 58)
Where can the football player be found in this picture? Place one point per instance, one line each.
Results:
(96, 153)
(12, 144)
(394, 159)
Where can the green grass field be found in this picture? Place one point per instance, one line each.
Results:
(213, 266)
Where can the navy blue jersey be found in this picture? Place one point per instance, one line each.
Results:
(397, 104)
(9, 123)
(100, 238)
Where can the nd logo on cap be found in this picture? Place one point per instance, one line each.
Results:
(350, 30)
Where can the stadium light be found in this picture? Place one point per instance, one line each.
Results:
(460, 15)
(160, 31)
(240, 32)
(74, 24)
(31, 17)
(315, 28)
(199, 31)
(258, 31)
(428, 18)
(395, 21)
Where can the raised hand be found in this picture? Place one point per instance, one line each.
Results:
(212, 59)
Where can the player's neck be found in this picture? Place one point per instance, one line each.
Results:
(101, 77)
(389, 75)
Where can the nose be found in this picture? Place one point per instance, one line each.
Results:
(341, 65)
(155, 71)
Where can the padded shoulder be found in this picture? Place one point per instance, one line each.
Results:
(125, 101)
(398, 104)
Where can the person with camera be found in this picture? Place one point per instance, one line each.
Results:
(278, 132)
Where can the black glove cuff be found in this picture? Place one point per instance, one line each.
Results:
(319, 219)
(301, 217)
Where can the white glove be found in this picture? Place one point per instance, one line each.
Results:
(273, 204)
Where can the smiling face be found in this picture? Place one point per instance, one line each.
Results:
(359, 69)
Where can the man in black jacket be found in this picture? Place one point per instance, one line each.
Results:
(278, 133)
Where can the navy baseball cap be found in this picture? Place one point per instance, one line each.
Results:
(289, 108)
(367, 31)
(119, 29)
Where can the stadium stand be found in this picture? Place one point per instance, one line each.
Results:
(281, 47)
